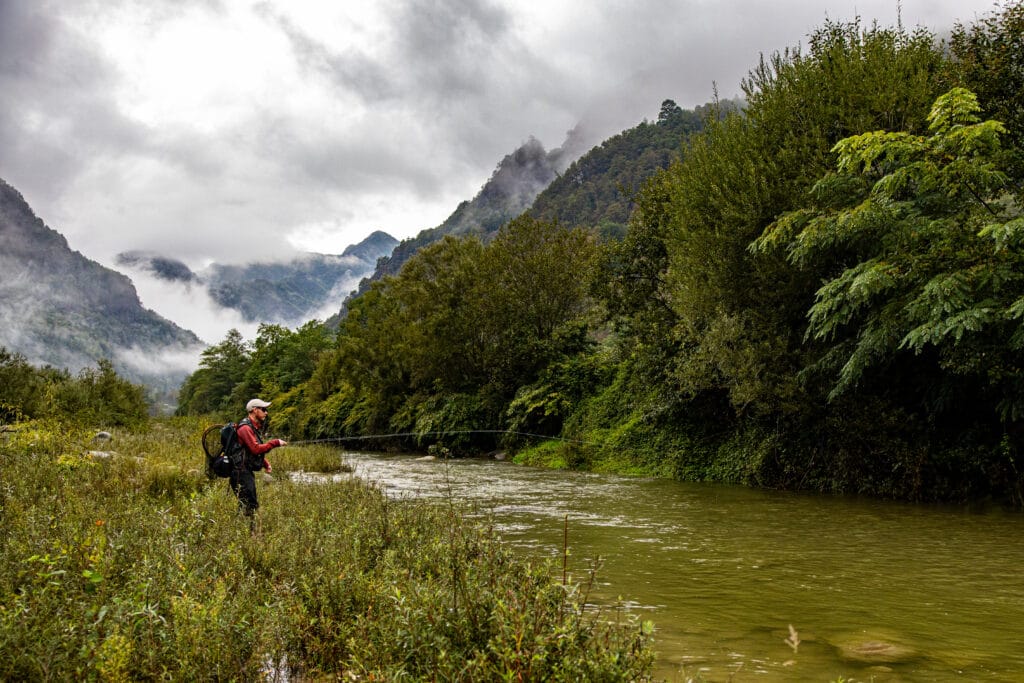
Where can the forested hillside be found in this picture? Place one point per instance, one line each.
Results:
(597, 190)
(823, 291)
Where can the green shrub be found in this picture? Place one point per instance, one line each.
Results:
(134, 567)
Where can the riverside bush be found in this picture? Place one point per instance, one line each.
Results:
(133, 566)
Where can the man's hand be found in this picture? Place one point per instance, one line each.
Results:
(266, 465)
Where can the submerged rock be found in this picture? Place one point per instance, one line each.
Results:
(873, 648)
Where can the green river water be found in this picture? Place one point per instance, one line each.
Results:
(875, 591)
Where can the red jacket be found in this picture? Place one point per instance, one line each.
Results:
(247, 437)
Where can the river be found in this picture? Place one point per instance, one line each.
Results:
(873, 590)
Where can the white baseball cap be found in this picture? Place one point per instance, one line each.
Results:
(256, 403)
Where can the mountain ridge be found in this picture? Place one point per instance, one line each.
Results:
(290, 292)
(59, 308)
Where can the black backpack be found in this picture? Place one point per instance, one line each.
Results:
(223, 452)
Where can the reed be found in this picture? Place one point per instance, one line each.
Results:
(320, 458)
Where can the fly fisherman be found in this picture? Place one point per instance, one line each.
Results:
(253, 452)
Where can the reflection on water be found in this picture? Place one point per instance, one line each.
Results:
(876, 591)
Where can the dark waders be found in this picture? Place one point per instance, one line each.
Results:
(243, 478)
(243, 485)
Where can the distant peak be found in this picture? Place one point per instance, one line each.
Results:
(378, 243)
(164, 268)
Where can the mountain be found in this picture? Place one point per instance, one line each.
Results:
(290, 292)
(592, 190)
(517, 180)
(59, 308)
(375, 246)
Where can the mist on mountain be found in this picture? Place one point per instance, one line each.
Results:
(222, 296)
(61, 309)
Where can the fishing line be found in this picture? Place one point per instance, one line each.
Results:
(418, 435)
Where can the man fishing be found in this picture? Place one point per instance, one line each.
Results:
(250, 456)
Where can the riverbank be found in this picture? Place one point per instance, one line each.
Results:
(876, 590)
(124, 554)
(919, 472)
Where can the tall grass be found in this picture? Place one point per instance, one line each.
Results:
(136, 567)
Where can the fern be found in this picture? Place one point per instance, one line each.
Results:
(925, 274)
(1008, 235)
(936, 332)
(958, 107)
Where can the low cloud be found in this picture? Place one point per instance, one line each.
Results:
(189, 306)
(160, 362)
(163, 268)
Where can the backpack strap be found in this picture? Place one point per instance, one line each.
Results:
(247, 459)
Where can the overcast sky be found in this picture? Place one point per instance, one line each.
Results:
(239, 130)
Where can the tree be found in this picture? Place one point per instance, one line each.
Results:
(929, 243)
(281, 359)
(739, 313)
(446, 343)
(988, 57)
(670, 113)
(535, 282)
(208, 390)
(98, 397)
(23, 388)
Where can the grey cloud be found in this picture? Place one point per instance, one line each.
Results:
(457, 71)
(371, 161)
(57, 115)
(24, 33)
(430, 50)
(449, 45)
(349, 69)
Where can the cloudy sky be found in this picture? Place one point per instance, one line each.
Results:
(234, 130)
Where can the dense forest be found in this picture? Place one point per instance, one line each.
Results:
(822, 290)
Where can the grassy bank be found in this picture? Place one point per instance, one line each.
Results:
(127, 564)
